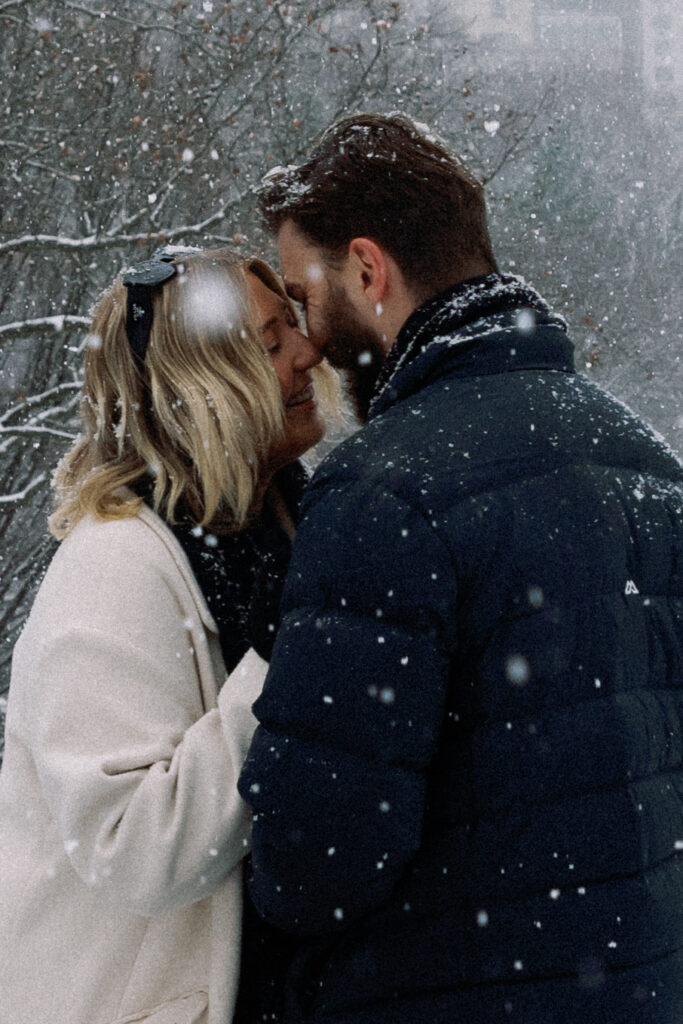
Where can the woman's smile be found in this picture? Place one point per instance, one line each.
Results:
(305, 400)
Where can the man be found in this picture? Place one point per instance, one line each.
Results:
(468, 777)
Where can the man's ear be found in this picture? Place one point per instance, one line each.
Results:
(368, 269)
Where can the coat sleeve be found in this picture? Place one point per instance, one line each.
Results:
(139, 776)
(351, 712)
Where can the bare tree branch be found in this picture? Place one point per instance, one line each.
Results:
(34, 424)
(519, 137)
(20, 496)
(43, 323)
(29, 430)
(92, 242)
(33, 400)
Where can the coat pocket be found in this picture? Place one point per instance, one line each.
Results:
(188, 1009)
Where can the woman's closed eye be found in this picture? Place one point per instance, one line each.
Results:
(287, 317)
(269, 332)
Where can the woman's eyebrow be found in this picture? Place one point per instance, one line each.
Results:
(270, 322)
(276, 317)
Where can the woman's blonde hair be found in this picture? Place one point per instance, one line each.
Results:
(200, 415)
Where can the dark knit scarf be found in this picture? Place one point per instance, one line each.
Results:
(241, 575)
(452, 311)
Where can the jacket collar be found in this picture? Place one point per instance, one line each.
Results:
(165, 534)
(467, 330)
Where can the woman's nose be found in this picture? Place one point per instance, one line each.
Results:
(306, 353)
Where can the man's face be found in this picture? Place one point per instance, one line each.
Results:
(333, 324)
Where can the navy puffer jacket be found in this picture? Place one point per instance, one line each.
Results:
(468, 780)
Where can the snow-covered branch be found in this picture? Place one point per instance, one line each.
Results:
(75, 178)
(40, 423)
(34, 430)
(154, 26)
(42, 323)
(515, 141)
(30, 162)
(137, 25)
(94, 241)
(22, 495)
(33, 400)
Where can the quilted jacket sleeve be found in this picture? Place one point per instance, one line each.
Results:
(350, 713)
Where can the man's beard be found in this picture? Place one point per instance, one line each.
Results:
(353, 347)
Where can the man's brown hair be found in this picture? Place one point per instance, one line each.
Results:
(387, 178)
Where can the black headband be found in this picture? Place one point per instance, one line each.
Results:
(140, 279)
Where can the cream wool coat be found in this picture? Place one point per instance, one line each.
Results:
(121, 830)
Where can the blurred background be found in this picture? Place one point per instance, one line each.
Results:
(126, 126)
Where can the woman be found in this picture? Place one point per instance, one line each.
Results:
(122, 832)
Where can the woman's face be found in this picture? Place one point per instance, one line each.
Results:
(293, 358)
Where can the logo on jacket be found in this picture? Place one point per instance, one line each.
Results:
(631, 588)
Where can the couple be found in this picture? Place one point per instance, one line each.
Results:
(466, 774)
